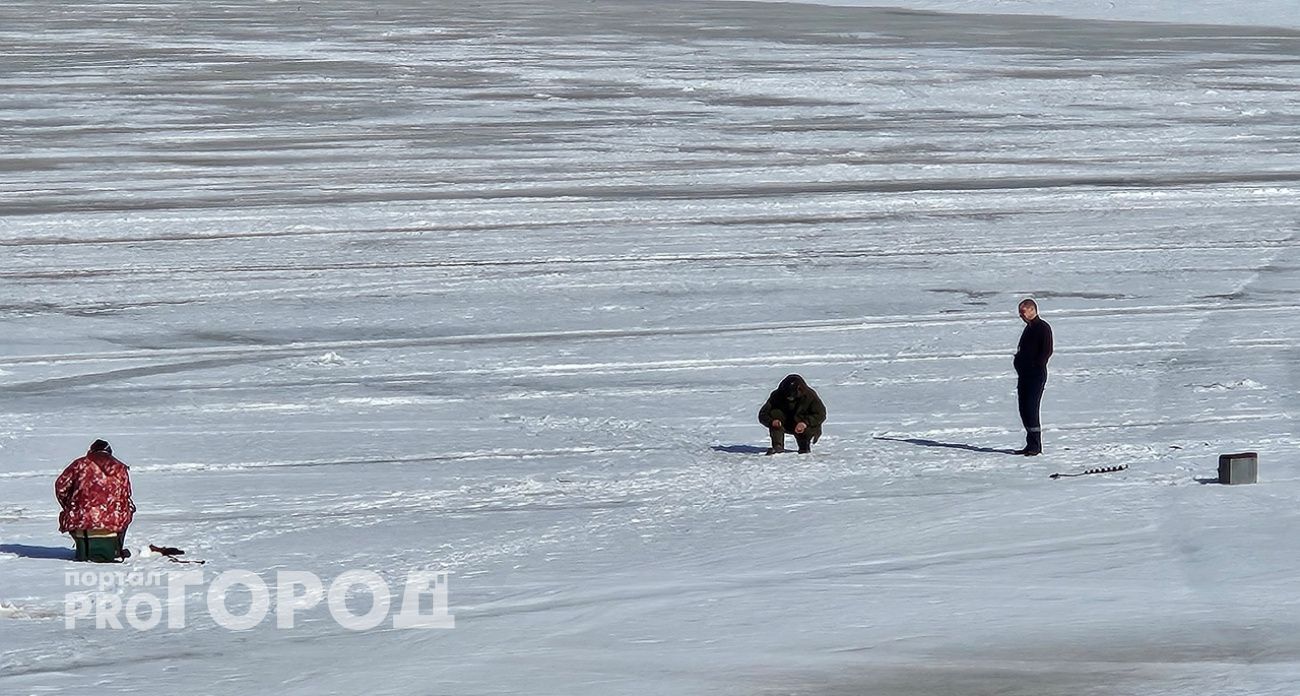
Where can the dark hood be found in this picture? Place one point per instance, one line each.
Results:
(793, 386)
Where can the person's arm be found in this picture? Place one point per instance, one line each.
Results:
(126, 489)
(1021, 357)
(816, 413)
(767, 413)
(64, 485)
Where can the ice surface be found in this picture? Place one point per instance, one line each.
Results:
(498, 288)
(1269, 13)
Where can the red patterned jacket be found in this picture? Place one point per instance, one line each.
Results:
(95, 493)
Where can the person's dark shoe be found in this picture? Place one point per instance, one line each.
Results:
(775, 450)
(1028, 452)
(804, 442)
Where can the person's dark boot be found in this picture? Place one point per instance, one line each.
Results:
(778, 441)
(805, 443)
(1033, 445)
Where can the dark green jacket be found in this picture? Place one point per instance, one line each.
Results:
(805, 407)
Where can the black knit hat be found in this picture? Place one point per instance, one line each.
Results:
(101, 446)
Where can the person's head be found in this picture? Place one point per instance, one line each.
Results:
(101, 446)
(1028, 310)
(792, 385)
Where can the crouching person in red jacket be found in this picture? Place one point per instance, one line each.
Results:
(95, 494)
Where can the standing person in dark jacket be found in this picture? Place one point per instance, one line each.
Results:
(793, 407)
(1034, 351)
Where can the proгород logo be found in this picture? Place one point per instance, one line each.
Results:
(358, 600)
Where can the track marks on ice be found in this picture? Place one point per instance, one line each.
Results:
(448, 457)
(640, 261)
(305, 348)
(655, 192)
(90, 380)
(907, 564)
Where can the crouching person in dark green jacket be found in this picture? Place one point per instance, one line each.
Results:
(794, 407)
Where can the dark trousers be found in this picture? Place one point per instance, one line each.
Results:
(1029, 396)
(804, 439)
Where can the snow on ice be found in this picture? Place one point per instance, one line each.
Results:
(497, 289)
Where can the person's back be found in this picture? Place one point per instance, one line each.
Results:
(95, 494)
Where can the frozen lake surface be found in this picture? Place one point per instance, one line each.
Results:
(497, 288)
